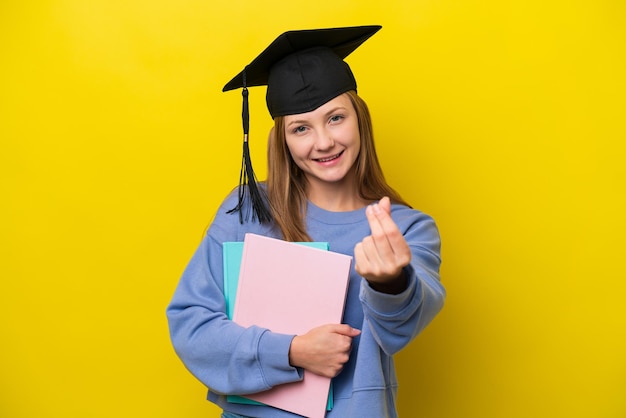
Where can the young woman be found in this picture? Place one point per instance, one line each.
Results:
(324, 184)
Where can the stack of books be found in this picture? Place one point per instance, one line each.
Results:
(288, 288)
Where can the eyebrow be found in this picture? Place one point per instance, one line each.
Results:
(330, 112)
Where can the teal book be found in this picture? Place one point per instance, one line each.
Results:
(233, 252)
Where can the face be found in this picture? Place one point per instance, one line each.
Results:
(325, 143)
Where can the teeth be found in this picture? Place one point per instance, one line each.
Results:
(323, 160)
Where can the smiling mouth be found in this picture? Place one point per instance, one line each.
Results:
(327, 159)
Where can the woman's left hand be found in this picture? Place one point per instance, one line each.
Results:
(381, 256)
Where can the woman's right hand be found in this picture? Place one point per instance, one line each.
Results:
(323, 350)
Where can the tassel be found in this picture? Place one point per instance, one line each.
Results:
(248, 187)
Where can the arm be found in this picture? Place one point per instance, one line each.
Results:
(401, 293)
(226, 357)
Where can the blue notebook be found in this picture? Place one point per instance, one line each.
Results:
(233, 252)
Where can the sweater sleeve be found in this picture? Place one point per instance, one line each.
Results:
(226, 357)
(396, 319)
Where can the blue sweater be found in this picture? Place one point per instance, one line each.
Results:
(230, 359)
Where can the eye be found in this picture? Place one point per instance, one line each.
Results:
(299, 129)
(336, 118)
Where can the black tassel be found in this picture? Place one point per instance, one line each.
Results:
(247, 178)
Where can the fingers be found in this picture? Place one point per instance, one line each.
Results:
(377, 246)
(381, 255)
(385, 235)
(324, 349)
(382, 225)
(385, 205)
(343, 345)
(345, 329)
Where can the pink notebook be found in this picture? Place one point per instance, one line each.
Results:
(290, 289)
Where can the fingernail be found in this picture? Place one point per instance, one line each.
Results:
(376, 208)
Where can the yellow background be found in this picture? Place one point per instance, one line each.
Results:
(502, 119)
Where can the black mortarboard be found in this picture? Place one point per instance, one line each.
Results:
(302, 70)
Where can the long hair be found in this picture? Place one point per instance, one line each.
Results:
(286, 184)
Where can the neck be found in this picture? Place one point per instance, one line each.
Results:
(335, 197)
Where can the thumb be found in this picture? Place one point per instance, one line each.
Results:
(347, 330)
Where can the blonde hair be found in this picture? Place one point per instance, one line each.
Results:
(286, 183)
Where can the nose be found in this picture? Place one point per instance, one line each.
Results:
(324, 141)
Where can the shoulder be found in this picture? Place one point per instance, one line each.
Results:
(417, 227)
(230, 200)
(229, 225)
(404, 215)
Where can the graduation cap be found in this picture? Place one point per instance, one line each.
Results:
(302, 70)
